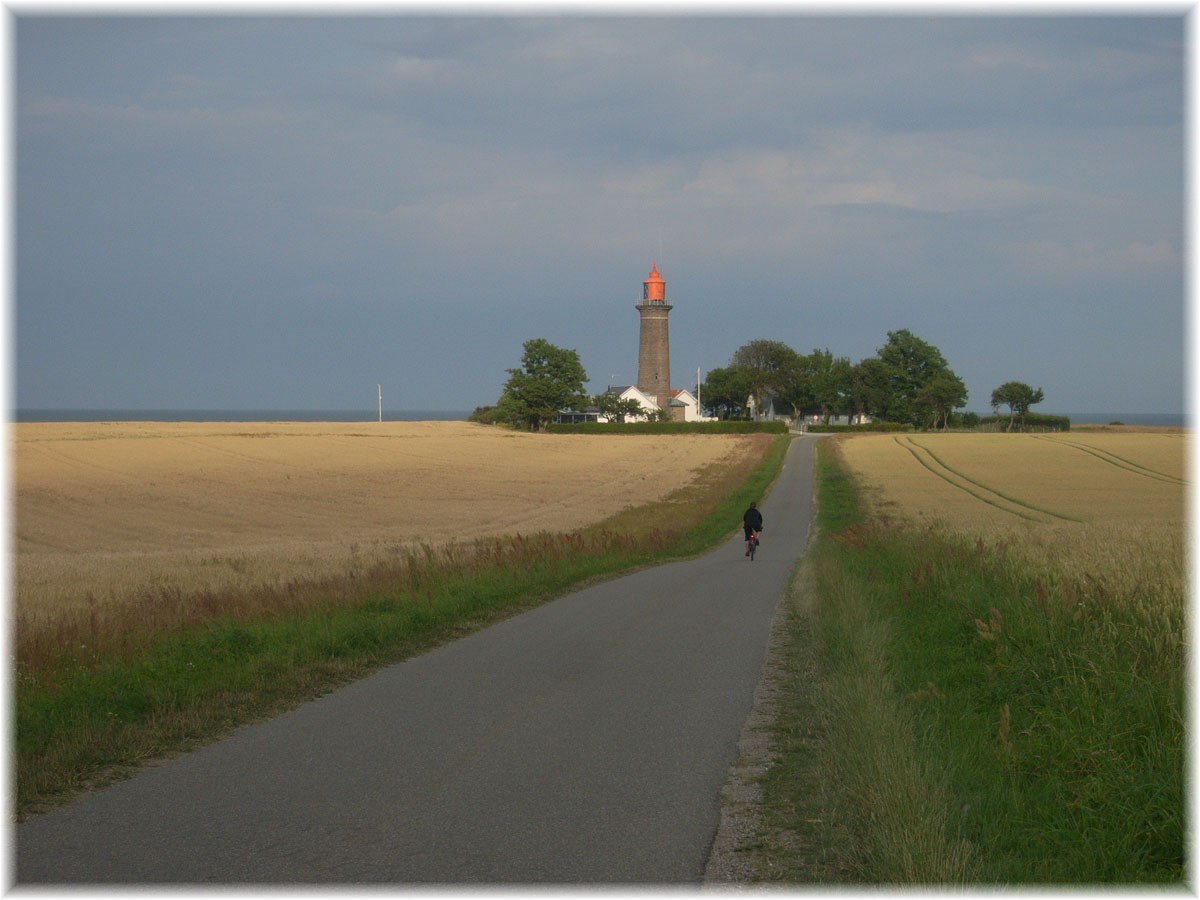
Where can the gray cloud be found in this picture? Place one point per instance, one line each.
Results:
(296, 206)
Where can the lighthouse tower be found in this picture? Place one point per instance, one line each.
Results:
(654, 351)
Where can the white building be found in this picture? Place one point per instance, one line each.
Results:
(648, 404)
(682, 406)
(690, 405)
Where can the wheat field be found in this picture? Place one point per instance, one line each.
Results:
(999, 480)
(103, 510)
(1109, 505)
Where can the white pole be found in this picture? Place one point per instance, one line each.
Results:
(379, 388)
(699, 408)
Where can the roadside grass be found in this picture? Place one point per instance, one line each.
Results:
(979, 719)
(105, 693)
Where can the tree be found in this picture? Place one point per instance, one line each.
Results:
(868, 390)
(484, 415)
(820, 384)
(724, 391)
(1019, 397)
(550, 379)
(616, 409)
(841, 374)
(938, 397)
(911, 364)
(770, 366)
(799, 389)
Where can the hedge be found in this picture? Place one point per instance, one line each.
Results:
(851, 429)
(732, 426)
(1033, 422)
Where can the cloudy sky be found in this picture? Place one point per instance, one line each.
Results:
(282, 212)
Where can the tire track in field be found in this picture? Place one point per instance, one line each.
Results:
(978, 490)
(1112, 459)
(204, 443)
(81, 465)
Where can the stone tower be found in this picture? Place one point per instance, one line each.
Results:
(654, 351)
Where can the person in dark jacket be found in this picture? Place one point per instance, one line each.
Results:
(752, 523)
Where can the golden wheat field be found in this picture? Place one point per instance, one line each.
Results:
(989, 480)
(1104, 503)
(106, 509)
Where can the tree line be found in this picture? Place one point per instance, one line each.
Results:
(907, 381)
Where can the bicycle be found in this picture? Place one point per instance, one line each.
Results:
(753, 544)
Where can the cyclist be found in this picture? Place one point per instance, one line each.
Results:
(752, 523)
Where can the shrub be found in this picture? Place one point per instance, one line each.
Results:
(485, 415)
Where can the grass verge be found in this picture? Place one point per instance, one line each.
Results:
(96, 702)
(954, 717)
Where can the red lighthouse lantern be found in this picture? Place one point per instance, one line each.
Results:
(654, 289)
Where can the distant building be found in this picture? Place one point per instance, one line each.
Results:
(855, 419)
(654, 344)
(682, 405)
(653, 390)
(632, 392)
(685, 401)
(654, 354)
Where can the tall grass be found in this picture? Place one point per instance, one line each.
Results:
(102, 692)
(987, 718)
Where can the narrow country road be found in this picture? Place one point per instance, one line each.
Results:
(583, 742)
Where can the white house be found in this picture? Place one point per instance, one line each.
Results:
(682, 407)
(631, 392)
(839, 420)
(684, 399)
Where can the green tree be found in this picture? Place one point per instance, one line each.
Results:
(822, 384)
(550, 379)
(911, 364)
(770, 366)
(938, 398)
(868, 389)
(725, 390)
(799, 389)
(616, 409)
(484, 415)
(1019, 397)
(841, 375)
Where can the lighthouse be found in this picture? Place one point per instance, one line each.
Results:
(654, 351)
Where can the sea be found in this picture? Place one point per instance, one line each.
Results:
(235, 415)
(410, 415)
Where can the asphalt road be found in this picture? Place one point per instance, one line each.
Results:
(583, 742)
